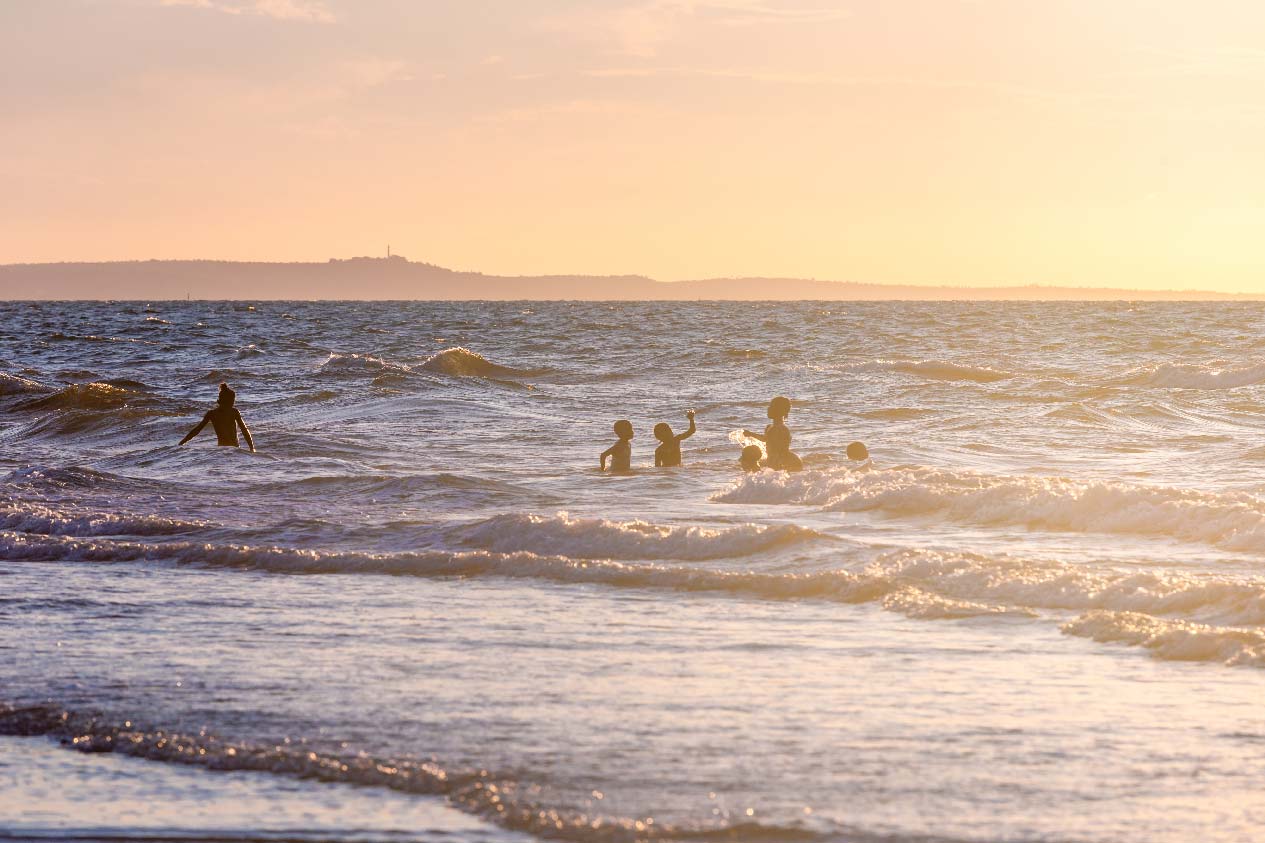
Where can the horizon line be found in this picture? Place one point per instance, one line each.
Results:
(401, 259)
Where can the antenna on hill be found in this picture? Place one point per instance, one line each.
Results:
(388, 250)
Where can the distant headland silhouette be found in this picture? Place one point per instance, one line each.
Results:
(397, 278)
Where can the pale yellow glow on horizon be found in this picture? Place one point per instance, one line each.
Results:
(963, 142)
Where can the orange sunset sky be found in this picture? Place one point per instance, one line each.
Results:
(967, 142)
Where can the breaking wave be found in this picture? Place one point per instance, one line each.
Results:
(462, 362)
(86, 396)
(596, 538)
(1173, 640)
(455, 362)
(919, 583)
(352, 365)
(1230, 520)
(1195, 376)
(1054, 586)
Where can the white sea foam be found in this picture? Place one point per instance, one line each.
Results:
(739, 438)
(359, 364)
(596, 538)
(1231, 520)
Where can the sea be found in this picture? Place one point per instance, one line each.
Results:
(421, 612)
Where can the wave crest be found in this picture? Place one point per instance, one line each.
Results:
(85, 396)
(952, 579)
(353, 365)
(18, 385)
(1173, 640)
(1232, 520)
(1196, 376)
(941, 370)
(596, 538)
(43, 520)
(459, 361)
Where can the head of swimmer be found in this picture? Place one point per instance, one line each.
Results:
(623, 429)
(750, 459)
(779, 408)
(663, 432)
(227, 396)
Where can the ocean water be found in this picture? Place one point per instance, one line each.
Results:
(420, 612)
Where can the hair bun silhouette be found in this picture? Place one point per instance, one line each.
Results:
(227, 396)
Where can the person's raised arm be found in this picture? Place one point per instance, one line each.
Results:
(245, 431)
(196, 430)
(689, 414)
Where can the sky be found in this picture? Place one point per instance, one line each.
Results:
(961, 142)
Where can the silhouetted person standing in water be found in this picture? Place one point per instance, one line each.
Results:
(777, 437)
(620, 454)
(225, 419)
(669, 453)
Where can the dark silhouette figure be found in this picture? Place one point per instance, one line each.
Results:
(858, 452)
(620, 454)
(777, 437)
(750, 459)
(225, 419)
(669, 453)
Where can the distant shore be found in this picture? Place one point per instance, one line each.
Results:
(397, 278)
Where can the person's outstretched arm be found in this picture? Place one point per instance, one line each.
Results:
(687, 434)
(245, 431)
(196, 430)
(751, 434)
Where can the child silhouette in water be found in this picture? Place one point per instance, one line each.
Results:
(750, 459)
(777, 437)
(620, 453)
(669, 453)
(225, 419)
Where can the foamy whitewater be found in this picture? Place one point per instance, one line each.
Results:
(420, 612)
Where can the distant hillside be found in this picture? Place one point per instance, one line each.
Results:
(398, 278)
